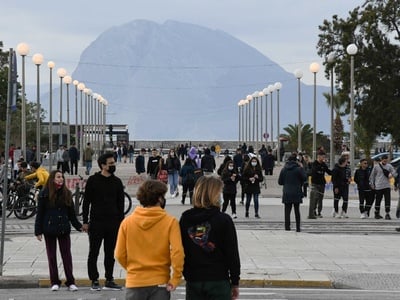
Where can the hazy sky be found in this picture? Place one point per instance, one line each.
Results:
(286, 31)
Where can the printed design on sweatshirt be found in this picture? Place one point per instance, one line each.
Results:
(199, 235)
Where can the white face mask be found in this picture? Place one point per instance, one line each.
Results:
(253, 163)
(230, 168)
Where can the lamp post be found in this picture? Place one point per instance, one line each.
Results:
(37, 60)
(61, 72)
(51, 66)
(277, 87)
(249, 98)
(255, 120)
(245, 103)
(23, 50)
(261, 95)
(239, 104)
(352, 50)
(314, 68)
(266, 93)
(68, 80)
(331, 59)
(75, 83)
(271, 90)
(299, 74)
(81, 87)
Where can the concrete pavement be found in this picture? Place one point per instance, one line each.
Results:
(269, 257)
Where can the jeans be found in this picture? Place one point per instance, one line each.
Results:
(248, 200)
(173, 182)
(88, 166)
(148, 293)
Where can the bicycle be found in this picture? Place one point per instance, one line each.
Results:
(23, 205)
(80, 195)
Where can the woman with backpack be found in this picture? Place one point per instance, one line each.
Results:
(187, 179)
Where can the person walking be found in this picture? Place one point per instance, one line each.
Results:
(208, 162)
(365, 193)
(152, 164)
(252, 176)
(230, 177)
(88, 158)
(173, 168)
(55, 214)
(187, 179)
(379, 181)
(268, 162)
(59, 157)
(318, 170)
(292, 177)
(73, 158)
(212, 261)
(340, 184)
(139, 162)
(131, 152)
(148, 264)
(103, 211)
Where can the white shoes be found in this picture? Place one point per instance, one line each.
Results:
(234, 216)
(73, 288)
(363, 215)
(335, 214)
(55, 287)
(343, 215)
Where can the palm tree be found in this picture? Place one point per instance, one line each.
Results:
(292, 136)
(339, 106)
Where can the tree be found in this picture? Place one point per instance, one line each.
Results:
(306, 138)
(374, 28)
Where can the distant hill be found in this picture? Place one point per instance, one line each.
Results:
(179, 81)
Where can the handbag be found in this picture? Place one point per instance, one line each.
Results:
(385, 172)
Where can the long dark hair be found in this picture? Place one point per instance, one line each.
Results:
(65, 193)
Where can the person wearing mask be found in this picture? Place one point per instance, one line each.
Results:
(268, 162)
(365, 193)
(139, 162)
(148, 264)
(212, 261)
(318, 170)
(230, 178)
(103, 211)
(173, 168)
(292, 177)
(379, 181)
(340, 187)
(252, 175)
(152, 164)
(55, 214)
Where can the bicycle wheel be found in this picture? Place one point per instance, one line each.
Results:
(127, 202)
(25, 206)
(12, 199)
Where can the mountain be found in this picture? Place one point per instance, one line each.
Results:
(179, 81)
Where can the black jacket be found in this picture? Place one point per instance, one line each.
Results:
(173, 164)
(208, 163)
(152, 164)
(249, 172)
(361, 177)
(54, 218)
(211, 246)
(104, 200)
(139, 163)
(339, 177)
(229, 184)
(292, 177)
(318, 171)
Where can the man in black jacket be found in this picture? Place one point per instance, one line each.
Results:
(318, 170)
(103, 211)
(73, 159)
(152, 164)
(208, 162)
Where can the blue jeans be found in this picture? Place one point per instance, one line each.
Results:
(173, 182)
(248, 200)
(88, 166)
(148, 292)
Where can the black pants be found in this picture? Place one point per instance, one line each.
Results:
(343, 193)
(379, 195)
(97, 233)
(366, 199)
(185, 189)
(316, 198)
(74, 165)
(229, 198)
(288, 210)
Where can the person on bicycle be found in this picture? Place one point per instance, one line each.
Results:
(39, 173)
(103, 211)
(23, 185)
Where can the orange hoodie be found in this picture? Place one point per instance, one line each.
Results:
(148, 245)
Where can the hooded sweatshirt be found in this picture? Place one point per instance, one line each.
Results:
(149, 243)
(211, 246)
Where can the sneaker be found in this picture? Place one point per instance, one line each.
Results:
(257, 216)
(387, 217)
(335, 214)
(73, 288)
(234, 216)
(95, 286)
(319, 215)
(55, 287)
(173, 195)
(247, 214)
(363, 215)
(111, 285)
(343, 215)
(378, 216)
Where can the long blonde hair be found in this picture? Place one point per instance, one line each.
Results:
(207, 192)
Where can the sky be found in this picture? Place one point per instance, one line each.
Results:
(286, 31)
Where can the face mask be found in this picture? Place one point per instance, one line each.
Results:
(162, 203)
(58, 185)
(254, 164)
(230, 168)
(111, 169)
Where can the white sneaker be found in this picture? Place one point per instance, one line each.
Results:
(173, 196)
(363, 215)
(234, 216)
(73, 288)
(55, 287)
(344, 215)
(334, 214)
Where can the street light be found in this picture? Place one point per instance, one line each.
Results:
(266, 93)
(249, 98)
(61, 72)
(239, 104)
(68, 80)
(352, 50)
(331, 59)
(271, 89)
(255, 120)
(261, 95)
(81, 87)
(37, 60)
(277, 87)
(75, 83)
(299, 74)
(51, 66)
(314, 68)
(245, 103)
(23, 50)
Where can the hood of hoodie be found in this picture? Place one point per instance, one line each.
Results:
(196, 215)
(192, 152)
(147, 217)
(291, 164)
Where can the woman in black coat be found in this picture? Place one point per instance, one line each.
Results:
(230, 177)
(292, 177)
(252, 176)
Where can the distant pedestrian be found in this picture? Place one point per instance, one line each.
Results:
(252, 176)
(292, 177)
(230, 177)
(152, 164)
(212, 261)
(66, 159)
(365, 193)
(139, 162)
(88, 158)
(148, 264)
(173, 168)
(54, 217)
(187, 179)
(268, 163)
(131, 152)
(59, 157)
(340, 184)
(73, 158)
(208, 162)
